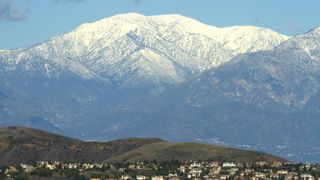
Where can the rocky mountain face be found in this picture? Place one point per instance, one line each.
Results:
(172, 77)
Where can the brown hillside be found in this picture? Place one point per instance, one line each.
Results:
(26, 145)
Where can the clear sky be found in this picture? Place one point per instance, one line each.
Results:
(26, 22)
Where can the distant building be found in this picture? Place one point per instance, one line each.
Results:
(276, 164)
(261, 163)
(306, 176)
(282, 172)
(27, 168)
(228, 164)
(125, 177)
(11, 169)
(157, 178)
(140, 177)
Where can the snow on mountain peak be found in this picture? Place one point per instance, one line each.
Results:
(175, 18)
(243, 39)
(124, 44)
(309, 42)
(314, 31)
(240, 39)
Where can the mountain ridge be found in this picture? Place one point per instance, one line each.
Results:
(184, 48)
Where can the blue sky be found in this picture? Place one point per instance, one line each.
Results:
(26, 22)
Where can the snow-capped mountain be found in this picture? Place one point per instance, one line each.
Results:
(165, 48)
(172, 77)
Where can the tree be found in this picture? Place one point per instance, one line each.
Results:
(43, 172)
(72, 173)
(21, 176)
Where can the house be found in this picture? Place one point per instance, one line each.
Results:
(206, 177)
(260, 176)
(125, 177)
(173, 177)
(214, 164)
(27, 168)
(132, 166)
(262, 163)
(282, 172)
(292, 176)
(122, 169)
(306, 176)
(182, 169)
(157, 178)
(195, 172)
(88, 166)
(248, 171)
(228, 164)
(224, 177)
(194, 164)
(73, 165)
(140, 177)
(276, 164)
(98, 165)
(215, 170)
(50, 166)
(10, 169)
(275, 176)
(233, 170)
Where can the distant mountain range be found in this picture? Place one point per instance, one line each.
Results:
(172, 77)
(25, 145)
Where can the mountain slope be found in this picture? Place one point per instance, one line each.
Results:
(25, 145)
(308, 41)
(265, 100)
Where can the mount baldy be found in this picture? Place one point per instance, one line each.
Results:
(171, 77)
(132, 48)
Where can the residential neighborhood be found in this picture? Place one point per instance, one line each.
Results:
(165, 170)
